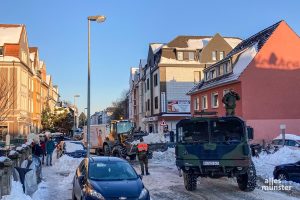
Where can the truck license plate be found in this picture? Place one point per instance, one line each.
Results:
(211, 163)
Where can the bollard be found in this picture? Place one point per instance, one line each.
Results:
(15, 157)
(5, 178)
(21, 151)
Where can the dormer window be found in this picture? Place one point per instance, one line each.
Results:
(214, 55)
(222, 55)
(179, 55)
(212, 73)
(206, 76)
(191, 56)
(218, 71)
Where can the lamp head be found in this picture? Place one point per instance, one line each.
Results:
(97, 18)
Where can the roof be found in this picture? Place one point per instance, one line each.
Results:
(10, 33)
(247, 50)
(156, 47)
(182, 41)
(198, 42)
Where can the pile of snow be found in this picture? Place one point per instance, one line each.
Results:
(152, 138)
(19, 148)
(72, 147)
(66, 164)
(2, 158)
(266, 163)
(288, 137)
(16, 193)
(12, 152)
(165, 158)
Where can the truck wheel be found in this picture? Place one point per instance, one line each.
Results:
(106, 150)
(119, 151)
(247, 181)
(190, 181)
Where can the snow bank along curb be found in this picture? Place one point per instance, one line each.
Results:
(266, 163)
(152, 138)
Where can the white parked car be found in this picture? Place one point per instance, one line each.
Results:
(291, 140)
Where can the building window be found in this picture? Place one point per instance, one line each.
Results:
(1, 51)
(156, 102)
(148, 104)
(218, 71)
(180, 55)
(221, 70)
(222, 55)
(204, 102)
(214, 55)
(214, 100)
(155, 80)
(197, 76)
(212, 73)
(191, 56)
(196, 103)
(206, 76)
(148, 84)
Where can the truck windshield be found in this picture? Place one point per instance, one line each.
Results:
(226, 130)
(124, 127)
(195, 131)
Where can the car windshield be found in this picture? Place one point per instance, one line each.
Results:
(195, 131)
(124, 127)
(110, 171)
(226, 130)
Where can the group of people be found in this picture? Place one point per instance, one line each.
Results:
(44, 148)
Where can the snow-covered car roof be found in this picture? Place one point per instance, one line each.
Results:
(72, 146)
(288, 136)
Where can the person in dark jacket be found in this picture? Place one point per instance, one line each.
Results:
(50, 146)
(36, 149)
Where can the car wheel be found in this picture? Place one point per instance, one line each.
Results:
(282, 176)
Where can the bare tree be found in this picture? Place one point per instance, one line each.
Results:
(7, 99)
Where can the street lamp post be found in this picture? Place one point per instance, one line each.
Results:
(99, 19)
(74, 124)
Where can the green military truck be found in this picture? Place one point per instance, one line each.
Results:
(215, 147)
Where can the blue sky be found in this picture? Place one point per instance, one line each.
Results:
(59, 29)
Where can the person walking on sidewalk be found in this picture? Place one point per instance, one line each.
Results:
(43, 147)
(143, 156)
(50, 146)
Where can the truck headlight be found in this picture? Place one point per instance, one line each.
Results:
(143, 194)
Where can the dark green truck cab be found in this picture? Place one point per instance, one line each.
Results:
(215, 147)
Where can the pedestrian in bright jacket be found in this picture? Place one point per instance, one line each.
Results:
(50, 146)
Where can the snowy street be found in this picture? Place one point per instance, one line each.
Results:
(163, 183)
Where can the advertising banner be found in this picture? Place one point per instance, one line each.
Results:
(179, 106)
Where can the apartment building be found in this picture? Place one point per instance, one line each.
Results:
(264, 70)
(21, 75)
(170, 71)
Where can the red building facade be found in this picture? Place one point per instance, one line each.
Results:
(265, 70)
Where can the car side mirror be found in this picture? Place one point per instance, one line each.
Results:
(250, 133)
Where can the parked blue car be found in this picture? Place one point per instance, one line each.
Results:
(289, 172)
(107, 178)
